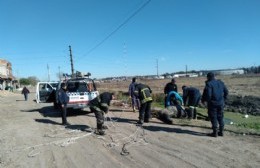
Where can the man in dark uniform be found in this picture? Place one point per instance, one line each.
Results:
(215, 94)
(135, 101)
(143, 92)
(191, 98)
(99, 106)
(171, 86)
(63, 99)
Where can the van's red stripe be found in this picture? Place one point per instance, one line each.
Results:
(76, 102)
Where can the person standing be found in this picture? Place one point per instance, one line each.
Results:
(99, 106)
(134, 99)
(25, 92)
(63, 99)
(143, 92)
(171, 86)
(191, 98)
(214, 95)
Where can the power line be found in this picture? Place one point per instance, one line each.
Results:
(119, 27)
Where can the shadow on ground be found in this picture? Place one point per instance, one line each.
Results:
(47, 121)
(80, 127)
(176, 130)
(49, 111)
(72, 127)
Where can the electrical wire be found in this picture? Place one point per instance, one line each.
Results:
(119, 27)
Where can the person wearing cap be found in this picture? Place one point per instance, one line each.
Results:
(171, 86)
(214, 95)
(63, 99)
(191, 98)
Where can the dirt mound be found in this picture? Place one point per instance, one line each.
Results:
(243, 104)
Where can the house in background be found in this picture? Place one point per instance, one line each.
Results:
(6, 77)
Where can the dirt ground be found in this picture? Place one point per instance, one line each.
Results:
(31, 136)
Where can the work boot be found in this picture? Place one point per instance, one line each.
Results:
(100, 132)
(146, 120)
(213, 134)
(220, 133)
(140, 122)
(195, 113)
(189, 112)
(66, 123)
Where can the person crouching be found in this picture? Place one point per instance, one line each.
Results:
(99, 106)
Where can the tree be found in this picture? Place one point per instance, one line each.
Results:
(24, 81)
(33, 80)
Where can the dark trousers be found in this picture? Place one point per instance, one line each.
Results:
(135, 102)
(99, 116)
(145, 111)
(165, 101)
(216, 117)
(194, 100)
(63, 113)
(25, 96)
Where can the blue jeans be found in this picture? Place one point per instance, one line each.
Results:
(26, 96)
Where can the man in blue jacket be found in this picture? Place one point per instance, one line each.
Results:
(135, 101)
(63, 99)
(215, 94)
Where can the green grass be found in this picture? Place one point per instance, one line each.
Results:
(234, 122)
(238, 120)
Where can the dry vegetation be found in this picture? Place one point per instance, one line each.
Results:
(244, 85)
(244, 90)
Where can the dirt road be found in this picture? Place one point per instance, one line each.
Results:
(31, 136)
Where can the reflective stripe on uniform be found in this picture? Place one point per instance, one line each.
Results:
(145, 96)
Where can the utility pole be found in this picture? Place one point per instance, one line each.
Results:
(59, 74)
(71, 62)
(124, 59)
(186, 70)
(48, 72)
(157, 67)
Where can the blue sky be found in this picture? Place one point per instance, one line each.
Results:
(127, 37)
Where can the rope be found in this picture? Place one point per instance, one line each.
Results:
(137, 137)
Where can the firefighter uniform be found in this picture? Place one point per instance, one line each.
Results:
(143, 92)
(99, 106)
(191, 98)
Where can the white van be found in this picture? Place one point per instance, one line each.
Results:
(44, 90)
(79, 90)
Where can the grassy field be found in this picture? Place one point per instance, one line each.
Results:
(242, 85)
(234, 122)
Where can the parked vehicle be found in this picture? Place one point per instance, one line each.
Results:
(79, 90)
(44, 90)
